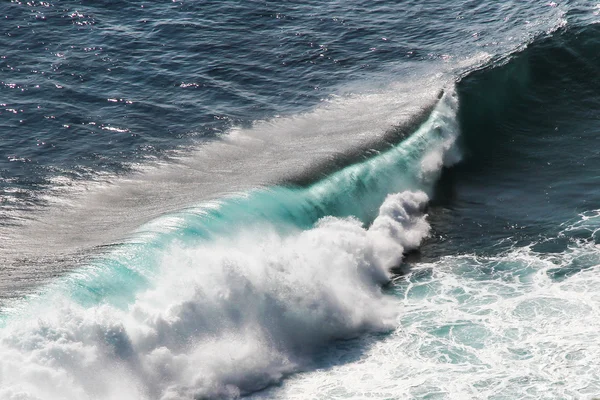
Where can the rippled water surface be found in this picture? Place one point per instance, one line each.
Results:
(299, 200)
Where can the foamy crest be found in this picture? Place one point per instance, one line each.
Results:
(224, 318)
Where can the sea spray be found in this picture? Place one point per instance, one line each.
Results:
(357, 191)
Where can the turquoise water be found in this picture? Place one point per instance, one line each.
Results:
(299, 201)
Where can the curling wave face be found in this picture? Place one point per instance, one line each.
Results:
(224, 299)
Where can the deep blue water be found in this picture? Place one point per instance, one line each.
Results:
(299, 199)
(89, 87)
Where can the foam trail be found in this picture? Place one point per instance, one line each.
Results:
(224, 299)
(521, 324)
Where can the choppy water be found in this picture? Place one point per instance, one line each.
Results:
(312, 200)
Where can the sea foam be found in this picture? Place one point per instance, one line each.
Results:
(225, 318)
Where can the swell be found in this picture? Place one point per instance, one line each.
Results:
(519, 89)
(529, 129)
(357, 191)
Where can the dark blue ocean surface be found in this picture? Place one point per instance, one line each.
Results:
(299, 199)
(97, 86)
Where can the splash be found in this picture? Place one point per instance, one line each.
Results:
(226, 298)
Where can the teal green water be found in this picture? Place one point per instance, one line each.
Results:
(355, 191)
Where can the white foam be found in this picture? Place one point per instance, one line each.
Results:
(224, 318)
(479, 327)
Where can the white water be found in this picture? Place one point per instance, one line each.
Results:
(224, 318)
(478, 328)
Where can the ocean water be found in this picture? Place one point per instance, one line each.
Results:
(299, 200)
